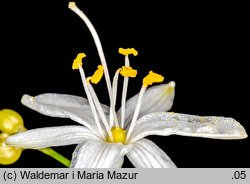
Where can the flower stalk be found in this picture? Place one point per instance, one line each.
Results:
(57, 156)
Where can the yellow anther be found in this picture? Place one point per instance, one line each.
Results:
(97, 76)
(119, 135)
(128, 51)
(78, 61)
(127, 71)
(152, 78)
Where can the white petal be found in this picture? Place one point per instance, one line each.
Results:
(52, 136)
(146, 154)
(163, 123)
(155, 99)
(64, 106)
(98, 154)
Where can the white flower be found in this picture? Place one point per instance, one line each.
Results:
(106, 136)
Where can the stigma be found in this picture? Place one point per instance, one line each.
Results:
(119, 135)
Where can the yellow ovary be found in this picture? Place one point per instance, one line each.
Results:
(119, 135)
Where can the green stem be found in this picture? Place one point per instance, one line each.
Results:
(55, 155)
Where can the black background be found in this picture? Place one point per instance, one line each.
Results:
(200, 46)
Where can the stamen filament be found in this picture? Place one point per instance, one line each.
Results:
(127, 63)
(123, 103)
(136, 113)
(98, 44)
(92, 106)
(100, 110)
(148, 80)
(124, 94)
(114, 90)
(115, 84)
(111, 118)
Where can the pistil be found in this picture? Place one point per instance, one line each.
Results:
(98, 44)
(119, 135)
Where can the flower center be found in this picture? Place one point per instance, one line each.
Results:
(119, 135)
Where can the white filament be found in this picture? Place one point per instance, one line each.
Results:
(124, 94)
(92, 106)
(100, 110)
(114, 90)
(136, 113)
